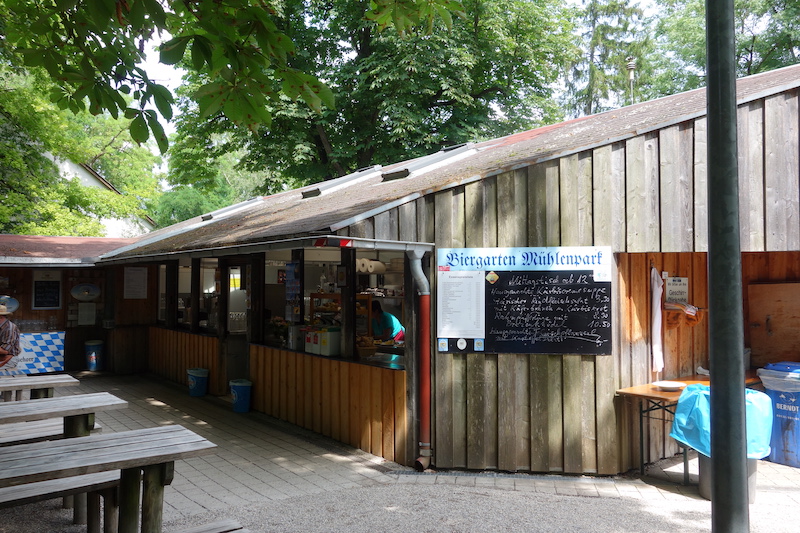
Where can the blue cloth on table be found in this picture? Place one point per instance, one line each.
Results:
(691, 425)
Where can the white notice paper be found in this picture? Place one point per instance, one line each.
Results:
(461, 304)
(135, 283)
(87, 314)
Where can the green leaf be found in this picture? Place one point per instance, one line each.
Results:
(101, 12)
(211, 97)
(163, 99)
(158, 131)
(201, 52)
(314, 93)
(34, 57)
(155, 12)
(139, 130)
(171, 52)
(136, 14)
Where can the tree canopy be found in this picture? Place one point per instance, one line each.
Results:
(94, 49)
(284, 92)
(490, 73)
(36, 198)
(767, 37)
(615, 48)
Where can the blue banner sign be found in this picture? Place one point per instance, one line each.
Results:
(598, 259)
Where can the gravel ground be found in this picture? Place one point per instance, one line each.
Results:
(404, 507)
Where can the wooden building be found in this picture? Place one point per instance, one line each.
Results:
(633, 179)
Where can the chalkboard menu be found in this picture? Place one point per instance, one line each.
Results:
(46, 294)
(548, 300)
(548, 312)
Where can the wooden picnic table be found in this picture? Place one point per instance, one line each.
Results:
(41, 386)
(145, 456)
(77, 410)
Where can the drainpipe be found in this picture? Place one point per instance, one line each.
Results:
(424, 343)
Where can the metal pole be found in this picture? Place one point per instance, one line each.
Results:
(729, 499)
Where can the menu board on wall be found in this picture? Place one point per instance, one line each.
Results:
(535, 300)
(46, 290)
(548, 312)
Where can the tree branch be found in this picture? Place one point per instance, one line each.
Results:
(326, 144)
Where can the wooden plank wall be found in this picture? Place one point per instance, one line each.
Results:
(125, 350)
(361, 405)
(170, 353)
(647, 198)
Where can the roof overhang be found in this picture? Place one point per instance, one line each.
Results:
(49, 262)
(322, 241)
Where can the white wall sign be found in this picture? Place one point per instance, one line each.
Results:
(461, 304)
(677, 290)
(135, 283)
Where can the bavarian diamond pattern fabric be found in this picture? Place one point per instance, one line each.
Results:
(41, 353)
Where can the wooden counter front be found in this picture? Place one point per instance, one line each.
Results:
(359, 404)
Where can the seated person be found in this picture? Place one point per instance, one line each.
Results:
(385, 326)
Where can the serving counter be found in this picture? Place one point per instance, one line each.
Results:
(359, 402)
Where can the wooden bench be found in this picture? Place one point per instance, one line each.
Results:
(145, 456)
(221, 526)
(34, 431)
(96, 485)
(41, 386)
(74, 413)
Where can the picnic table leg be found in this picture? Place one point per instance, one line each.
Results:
(77, 426)
(93, 512)
(129, 486)
(111, 510)
(154, 479)
(42, 393)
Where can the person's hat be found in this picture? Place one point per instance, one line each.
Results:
(4, 310)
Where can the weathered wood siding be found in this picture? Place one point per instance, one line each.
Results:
(364, 406)
(646, 197)
(170, 353)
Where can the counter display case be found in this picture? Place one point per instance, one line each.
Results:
(326, 309)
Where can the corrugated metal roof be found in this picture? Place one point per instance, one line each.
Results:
(340, 202)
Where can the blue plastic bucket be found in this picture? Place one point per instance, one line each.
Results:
(240, 390)
(94, 355)
(198, 381)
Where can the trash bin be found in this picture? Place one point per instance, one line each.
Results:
(706, 473)
(691, 427)
(94, 355)
(198, 381)
(782, 384)
(240, 390)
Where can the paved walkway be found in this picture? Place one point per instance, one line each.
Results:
(273, 476)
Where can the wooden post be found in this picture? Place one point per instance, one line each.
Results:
(77, 426)
(111, 510)
(153, 481)
(129, 486)
(93, 512)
